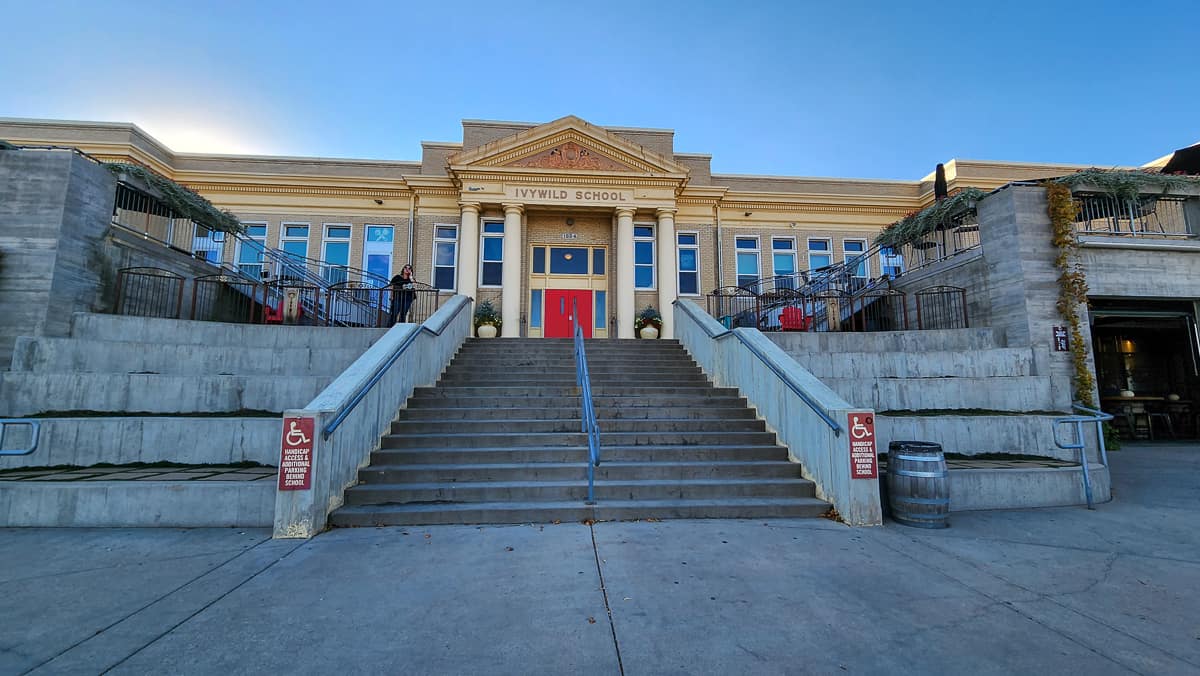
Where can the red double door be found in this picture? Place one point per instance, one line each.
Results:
(559, 306)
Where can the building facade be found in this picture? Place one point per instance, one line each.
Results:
(543, 220)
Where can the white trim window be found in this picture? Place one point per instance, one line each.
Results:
(857, 247)
(249, 257)
(643, 256)
(491, 253)
(293, 240)
(891, 262)
(820, 253)
(748, 259)
(445, 256)
(783, 262)
(689, 263)
(335, 252)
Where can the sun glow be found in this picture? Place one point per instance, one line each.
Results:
(183, 136)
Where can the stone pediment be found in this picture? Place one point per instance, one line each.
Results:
(568, 144)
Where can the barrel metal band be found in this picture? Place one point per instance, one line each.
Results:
(928, 475)
(920, 458)
(923, 501)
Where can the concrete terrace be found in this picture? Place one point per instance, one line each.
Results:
(1112, 591)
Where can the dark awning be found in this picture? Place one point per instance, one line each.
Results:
(1184, 161)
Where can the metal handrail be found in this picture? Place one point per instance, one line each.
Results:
(1098, 417)
(35, 428)
(590, 426)
(382, 369)
(787, 379)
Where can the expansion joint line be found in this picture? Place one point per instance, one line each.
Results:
(604, 591)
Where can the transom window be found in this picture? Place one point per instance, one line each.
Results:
(820, 254)
(689, 263)
(643, 256)
(492, 257)
(747, 260)
(445, 256)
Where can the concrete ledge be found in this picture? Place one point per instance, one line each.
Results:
(122, 440)
(1017, 393)
(975, 489)
(976, 434)
(188, 504)
(1000, 361)
(794, 342)
(155, 330)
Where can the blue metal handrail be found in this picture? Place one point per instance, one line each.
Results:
(590, 427)
(34, 431)
(382, 369)
(1098, 417)
(787, 379)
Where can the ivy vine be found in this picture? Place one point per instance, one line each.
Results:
(1072, 283)
(184, 202)
(1127, 185)
(915, 225)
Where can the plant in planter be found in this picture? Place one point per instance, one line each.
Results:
(648, 322)
(487, 320)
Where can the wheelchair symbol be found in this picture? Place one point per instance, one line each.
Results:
(295, 436)
(858, 430)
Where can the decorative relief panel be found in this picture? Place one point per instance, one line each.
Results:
(570, 155)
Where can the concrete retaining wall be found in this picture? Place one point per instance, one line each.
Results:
(974, 489)
(152, 330)
(337, 459)
(113, 504)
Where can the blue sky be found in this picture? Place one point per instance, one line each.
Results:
(852, 89)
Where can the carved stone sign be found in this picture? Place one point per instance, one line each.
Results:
(599, 196)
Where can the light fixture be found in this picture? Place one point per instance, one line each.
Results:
(570, 221)
(568, 256)
(749, 212)
(379, 201)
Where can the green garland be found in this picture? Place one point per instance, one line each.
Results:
(915, 225)
(1128, 184)
(1072, 283)
(184, 202)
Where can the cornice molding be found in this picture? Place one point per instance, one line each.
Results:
(527, 176)
(316, 191)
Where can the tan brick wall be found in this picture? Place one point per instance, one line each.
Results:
(316, 233)
(801, 233)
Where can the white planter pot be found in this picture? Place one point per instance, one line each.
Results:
(486, 331)
(649, 332)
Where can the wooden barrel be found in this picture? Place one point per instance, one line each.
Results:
(918, 484)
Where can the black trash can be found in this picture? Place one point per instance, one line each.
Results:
(918, 484)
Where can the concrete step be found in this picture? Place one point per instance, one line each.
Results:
(555, 367)
(522, 439)
(603, 414)
(562, 511)
(565, 425)
(914, 342)
(570, 471)
(516, 378)
(598, 390)
(528, 491)
(434, 398)
(996, 362)
(540, 454)
(167, 331)
(25, 394)
(1017, 393)
(79, 355)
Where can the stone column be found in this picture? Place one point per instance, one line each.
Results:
(510, 296)
(668, 273)
(468, 250)
(623, 270)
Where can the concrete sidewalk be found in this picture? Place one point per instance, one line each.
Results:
(1043, 591)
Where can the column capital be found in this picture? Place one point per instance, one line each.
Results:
(512, 207)
(628, 212)
(470, 206)
(665, 211)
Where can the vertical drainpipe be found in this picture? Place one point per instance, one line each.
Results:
(412, 221)
(717, 221)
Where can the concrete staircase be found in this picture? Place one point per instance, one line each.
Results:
(498, 440)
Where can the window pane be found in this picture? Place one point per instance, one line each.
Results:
(539, 260)
(535, 309)
(643, 277)
(493, 249)
(598, 263)
(444, 253)
(337, 253)
(785, 264)
(689, 282)
(783, 244)
(493, 227)
(445, 232)
(299, 249)
(818, 245)
(643, 253)
(338, 233)
(376, 233)
(568, 261)
(257, 231)
(643, 231)
(687, 260)
(817, 262)
(296, 231)
(746, 280)
(443, 278)
(601, 310)
(747, 243)
(855, 247)
(747, 264)
(687, 238)
(492, 274)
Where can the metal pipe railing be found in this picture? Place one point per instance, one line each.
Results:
(590, 427)
(1097, 417)
(35, 428)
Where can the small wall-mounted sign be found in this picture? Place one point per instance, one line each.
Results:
(296, 454)
(570, 235)
(863, 454)
(1061, 343)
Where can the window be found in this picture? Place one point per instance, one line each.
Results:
(783, 261)
(820, 254)
(535, 309)
(643, 256)
(445, 256)
(601, 320)
(377, 254)
(598, 263)
(857, 247)
(747, 260)
(208, 245)
(250, 250)
(568, 260)
(689, 263)
(891, 263)
(539, 260)
(294, 242)
(491, 263)
(336, 258)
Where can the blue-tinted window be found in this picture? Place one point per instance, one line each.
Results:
(539, 260)
(492, 267)
(256, 231)
(379, 233)
(643, 277)
(747, 243)
(443, 278)
(568, 261)
(689, 264)
(601, 310)
(643, 253)
(535, 309)
(493, 227)
(295, 231)
(338, 232)
(643, 264)
(643, 231)
(687, 238)
(598, 261)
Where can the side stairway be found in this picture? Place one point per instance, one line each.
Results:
(499, 440)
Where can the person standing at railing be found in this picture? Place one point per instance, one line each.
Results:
(403, 294)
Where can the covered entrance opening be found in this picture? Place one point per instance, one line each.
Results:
(564, 279)
(1148, 366)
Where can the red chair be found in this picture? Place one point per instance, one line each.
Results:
(794, 319)
(273, 315)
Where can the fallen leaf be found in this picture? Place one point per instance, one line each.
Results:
(591, 620)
